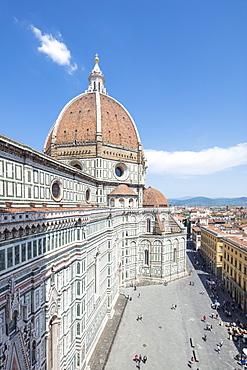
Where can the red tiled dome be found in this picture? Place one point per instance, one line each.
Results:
(78, 121)
(94, 125)
(154, 198)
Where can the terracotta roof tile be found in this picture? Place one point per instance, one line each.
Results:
(122, 189)
(154, 198)
(78, 122)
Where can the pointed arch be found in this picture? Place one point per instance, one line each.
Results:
(146, 251)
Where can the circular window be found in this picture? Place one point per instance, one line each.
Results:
(118, 171)
(87, 195)
(121, 171)
(77, 164)
(56, 190)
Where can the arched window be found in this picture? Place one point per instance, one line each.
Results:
(78, 329)
(78, 288)
(96, 274)
(148, 225)
(33, 352)
(112, 202)
(146, 257)
(146, 251)
(121, 202)
(87, 195)
(78, 310)
(131, 203)
(78, 268)
(14, 232)
(76, 163)
(175, 255)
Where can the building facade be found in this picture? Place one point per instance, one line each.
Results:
(196, 237)
(76, 225)
(211, 248)
(234, 271)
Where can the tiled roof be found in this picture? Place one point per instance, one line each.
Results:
(237, 240)
(78, 121)
(122, 189)
(154, 198)
(196, 228)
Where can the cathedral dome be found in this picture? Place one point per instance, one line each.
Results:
(154, 198)
(94, 124)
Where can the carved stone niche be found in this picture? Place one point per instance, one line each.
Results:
(13, 307)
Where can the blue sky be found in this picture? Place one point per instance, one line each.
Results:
(178, 66)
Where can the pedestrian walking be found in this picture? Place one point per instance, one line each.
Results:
(205, 337)
(140, 317)
(204, 318)
(139, 295)
(218, 348)
(136, 358)
(144, 359)
(191, 362)
(140, 358)
(221, 342)
(175, 307)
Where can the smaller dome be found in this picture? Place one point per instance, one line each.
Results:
(122, 189)
(154, 198)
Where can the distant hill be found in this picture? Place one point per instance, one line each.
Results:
(209, 202)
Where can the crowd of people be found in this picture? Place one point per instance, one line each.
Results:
(224, 310)
(139, 359)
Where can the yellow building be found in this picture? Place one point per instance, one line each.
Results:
(234, 269)
(196, 237)
(211, 248)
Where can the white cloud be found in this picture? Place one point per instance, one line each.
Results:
(72, 68)
(189, 163)
(56, 50)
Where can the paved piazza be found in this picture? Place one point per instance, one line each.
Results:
(164, 334)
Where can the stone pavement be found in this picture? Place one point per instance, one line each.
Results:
(165, 335)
